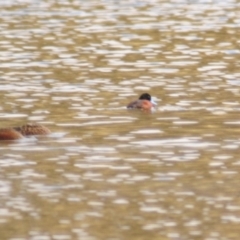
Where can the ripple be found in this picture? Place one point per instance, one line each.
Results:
(76, 64)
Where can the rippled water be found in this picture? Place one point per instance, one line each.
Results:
(106, 172)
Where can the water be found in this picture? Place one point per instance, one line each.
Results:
(106, 172)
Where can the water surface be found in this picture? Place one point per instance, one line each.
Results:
(107, 172)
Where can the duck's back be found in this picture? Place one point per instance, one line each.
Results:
(140, 104)
(32, 129)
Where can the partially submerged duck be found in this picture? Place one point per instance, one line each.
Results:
(25, 130)
(144, 102)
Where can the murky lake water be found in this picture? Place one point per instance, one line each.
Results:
(106, 172)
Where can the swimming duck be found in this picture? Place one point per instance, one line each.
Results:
(25, 130)
(144, 102)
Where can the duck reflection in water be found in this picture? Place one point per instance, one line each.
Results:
(25, 130)
(144, 102)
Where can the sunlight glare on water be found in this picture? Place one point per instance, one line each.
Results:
(106, 172)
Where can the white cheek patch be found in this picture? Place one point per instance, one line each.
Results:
(153, 102)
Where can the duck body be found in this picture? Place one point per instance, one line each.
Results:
(144, 102)
(9, 134)
(25, 130)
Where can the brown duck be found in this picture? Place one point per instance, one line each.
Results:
(25, 130)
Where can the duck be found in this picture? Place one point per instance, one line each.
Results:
(144, 102)
(28, 129)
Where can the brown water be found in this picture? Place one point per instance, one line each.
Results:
(106, 172)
